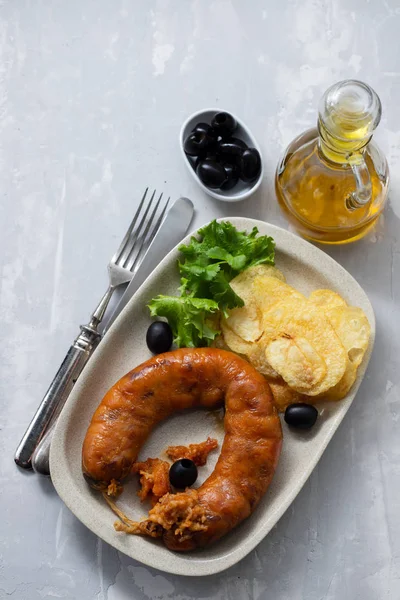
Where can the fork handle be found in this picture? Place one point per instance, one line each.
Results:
(57, 394)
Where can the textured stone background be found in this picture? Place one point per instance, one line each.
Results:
(92, 96)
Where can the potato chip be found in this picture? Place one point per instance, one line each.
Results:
(353, 329)
(302, 346)
(243, 282)
(341, 389)
(253, 352)
(326, 299)
(250, 351)
(256, 356)
(235, 342)
(259, 270)
(297, 361)
(219, 342)
(269, 291)
(246, 321)
(284, 395)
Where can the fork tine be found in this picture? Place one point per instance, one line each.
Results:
(140, 242)
(123, 257)
(131, 259)
(160, 219)
(130, 228)
(148, 237)
(135, 236)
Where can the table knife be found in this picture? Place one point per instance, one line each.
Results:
(170, 233)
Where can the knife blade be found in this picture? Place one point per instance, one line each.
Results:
(171, 232)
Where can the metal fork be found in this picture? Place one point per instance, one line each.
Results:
(121, 269)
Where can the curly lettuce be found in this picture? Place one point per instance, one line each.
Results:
(209, 262)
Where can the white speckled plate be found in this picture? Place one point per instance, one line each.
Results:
(307, 268)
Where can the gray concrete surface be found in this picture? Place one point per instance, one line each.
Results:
(92, 96)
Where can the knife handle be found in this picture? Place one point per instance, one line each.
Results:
(41, 457)
(57, 394)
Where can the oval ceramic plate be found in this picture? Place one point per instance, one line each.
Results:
(307, 268)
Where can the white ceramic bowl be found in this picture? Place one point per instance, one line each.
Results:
(242, 190)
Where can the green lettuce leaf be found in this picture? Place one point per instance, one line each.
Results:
(187, 317)
(223, 294)
(209, 262)
(221, 253)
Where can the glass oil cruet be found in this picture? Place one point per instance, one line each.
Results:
(332, 181)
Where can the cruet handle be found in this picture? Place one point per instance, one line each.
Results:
(363, 192)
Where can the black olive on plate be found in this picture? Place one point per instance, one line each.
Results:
(232, 176)
(224, 124)
(159, 337)
(249, 164)
(211, 173)
(197, 143)
(301, 416)
(207, 129)
(232, 149)
(183, 473)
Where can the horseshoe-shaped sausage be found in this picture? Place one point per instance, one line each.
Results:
(170, 382)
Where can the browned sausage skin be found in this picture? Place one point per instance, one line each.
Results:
(174, 381)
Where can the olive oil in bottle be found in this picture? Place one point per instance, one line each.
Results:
(332, 181)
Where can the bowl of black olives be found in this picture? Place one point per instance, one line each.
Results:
(221, 154)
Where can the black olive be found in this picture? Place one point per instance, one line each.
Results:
(183, 473)
(301, 416)
(231, 149)
(211, 155)
(249, 164)
(224, 124)
(159, 337)
(232, 176)
(211, 173)
(207, 129)
(197, 144)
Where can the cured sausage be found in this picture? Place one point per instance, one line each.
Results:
(170, 382)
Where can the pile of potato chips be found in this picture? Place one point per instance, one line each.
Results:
(307, 348)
